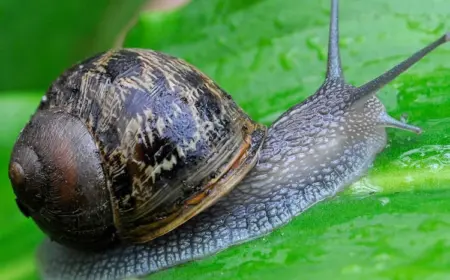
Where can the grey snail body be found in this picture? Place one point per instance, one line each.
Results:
(162, 167)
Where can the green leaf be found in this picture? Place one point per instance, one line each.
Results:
(39, 39)
(392, 224)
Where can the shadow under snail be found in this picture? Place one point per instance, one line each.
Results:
(135, 161)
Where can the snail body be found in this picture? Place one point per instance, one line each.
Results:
(163, 167)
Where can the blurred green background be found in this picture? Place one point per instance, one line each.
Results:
(269, 55)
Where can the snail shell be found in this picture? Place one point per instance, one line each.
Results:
(128, 145)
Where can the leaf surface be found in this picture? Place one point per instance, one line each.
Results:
(270, 55)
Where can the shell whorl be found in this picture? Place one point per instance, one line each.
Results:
(165, 131)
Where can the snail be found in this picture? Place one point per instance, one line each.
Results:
(136, 161)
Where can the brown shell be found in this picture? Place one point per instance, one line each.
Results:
(172, 140)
